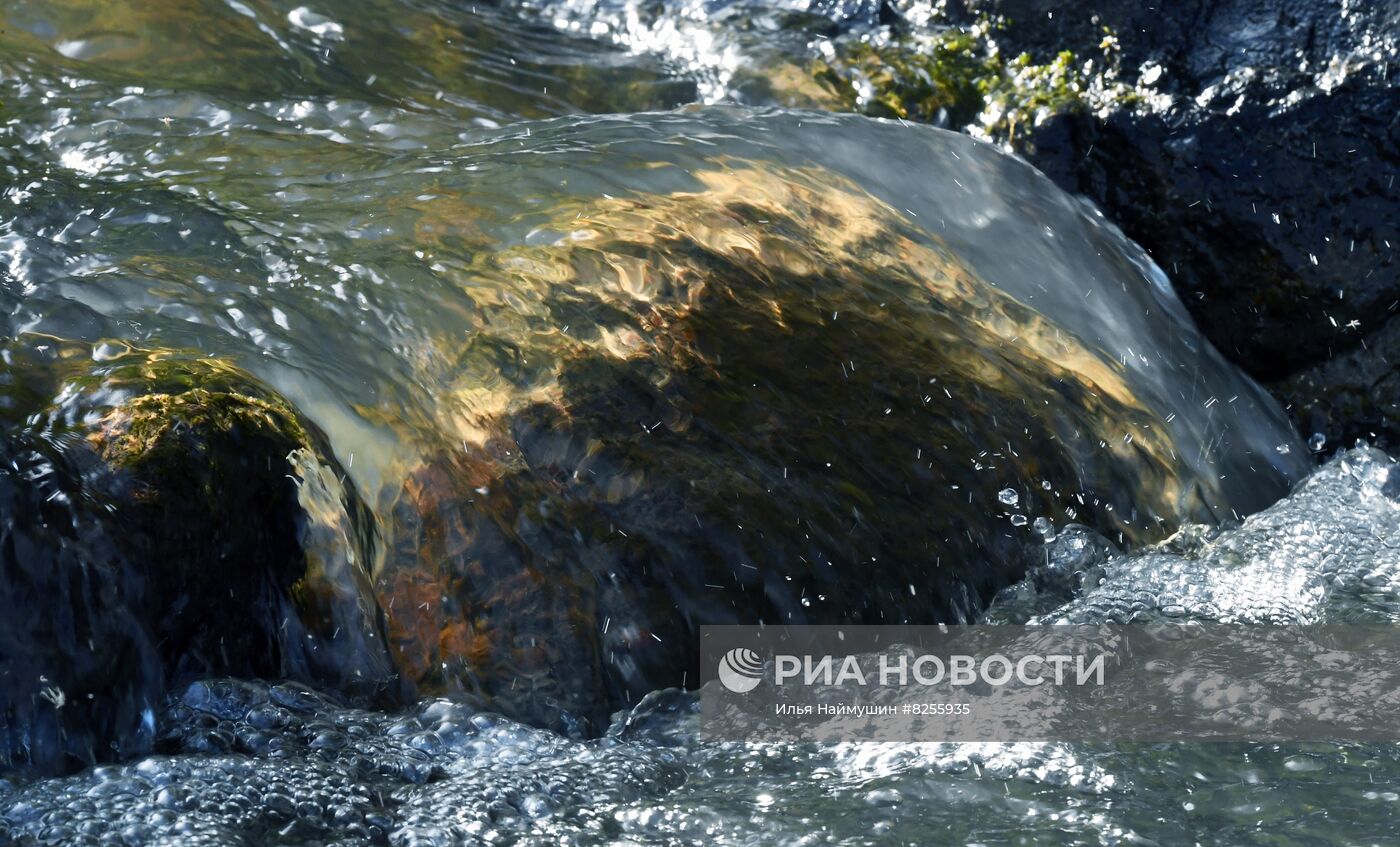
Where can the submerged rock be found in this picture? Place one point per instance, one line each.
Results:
(770, 395)
(188, 525)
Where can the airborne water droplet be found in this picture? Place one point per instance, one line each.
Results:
(1008, 497)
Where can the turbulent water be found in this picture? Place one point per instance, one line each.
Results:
(253, 763)
(450, 240)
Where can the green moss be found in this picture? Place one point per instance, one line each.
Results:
(948, 73)
(961, 76)
(142, 431)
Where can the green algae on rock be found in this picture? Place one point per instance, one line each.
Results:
(959, 77)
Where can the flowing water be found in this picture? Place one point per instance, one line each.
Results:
(566, 376)
(257, 763)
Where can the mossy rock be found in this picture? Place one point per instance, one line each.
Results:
(212, 533)
(216, 510)
(959, 77)
(226, 484)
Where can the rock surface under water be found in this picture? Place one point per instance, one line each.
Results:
(610, 379)
(250, 763)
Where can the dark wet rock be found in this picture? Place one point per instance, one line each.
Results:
(224, 526)
(820, 422)
(166, 519)
(1350, 397)
(1257, 163)
(79, 673)
(237, 505)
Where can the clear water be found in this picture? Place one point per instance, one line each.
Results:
(359, 204)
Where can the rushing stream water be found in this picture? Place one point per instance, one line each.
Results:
(531, 373)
